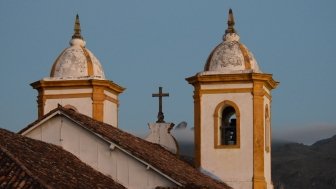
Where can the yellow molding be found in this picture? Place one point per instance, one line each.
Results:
(197, 127)
(246, 56)
(67, 88)
(259, 181)
(77, 84)
(98, 98)
(270, 83)
(89, 62)
(40, 103)
(268, 95)
(112, 99)
(76, 95)
(267, 129)
(219, 91)
(217, 118)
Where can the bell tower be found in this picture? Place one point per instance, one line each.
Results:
(77, 82)
(232, 101)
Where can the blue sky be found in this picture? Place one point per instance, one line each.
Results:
(146, 44)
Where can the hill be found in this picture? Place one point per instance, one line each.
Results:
(298, 166)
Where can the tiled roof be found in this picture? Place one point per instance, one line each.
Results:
(155, 155)
(29, 163)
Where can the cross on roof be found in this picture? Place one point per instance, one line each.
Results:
(160, 114)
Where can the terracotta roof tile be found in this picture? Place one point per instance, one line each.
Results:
(154, 154)
(29, 163)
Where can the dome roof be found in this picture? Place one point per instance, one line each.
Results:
(76, 61)
(231, 56)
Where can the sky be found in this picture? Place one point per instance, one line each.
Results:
(149, 43)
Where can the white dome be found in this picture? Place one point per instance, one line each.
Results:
(76, 61)
(231, 56)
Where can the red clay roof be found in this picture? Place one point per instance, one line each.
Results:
(155, 155)
(29, 163)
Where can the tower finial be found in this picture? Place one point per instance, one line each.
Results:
(77, 29)
(230, 23)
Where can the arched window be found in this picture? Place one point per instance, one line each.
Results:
(227, 128)
(267, 129)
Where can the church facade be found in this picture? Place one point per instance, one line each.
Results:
(78, 110)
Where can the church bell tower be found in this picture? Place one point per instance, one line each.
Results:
(77, 82)
(232, 103)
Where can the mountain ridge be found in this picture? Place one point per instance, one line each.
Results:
(296, 166)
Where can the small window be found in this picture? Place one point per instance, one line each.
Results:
(227, 123)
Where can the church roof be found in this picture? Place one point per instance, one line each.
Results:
(230, 56)
(76, 61)
(152, 155)
(29, 163)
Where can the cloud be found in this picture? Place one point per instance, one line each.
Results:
(183, 135)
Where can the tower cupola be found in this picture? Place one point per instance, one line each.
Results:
(232, 113)
(76, 61)
(77, 82)
(231, 56)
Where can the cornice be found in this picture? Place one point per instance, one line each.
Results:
(198, 79)
(77, 84)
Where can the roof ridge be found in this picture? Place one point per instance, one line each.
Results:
(139, 148)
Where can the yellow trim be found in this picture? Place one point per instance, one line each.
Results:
(220, 91)
(111, 99)
(98, 98)
(40, 103)
(259, 181)
(78, 84)
(268, 95)
(246, 56)
(89, 62)
(98, 87)
(259, 81)
(77, 95)
(267, 129)
(197, 122)
(270, 83)
(217, 118)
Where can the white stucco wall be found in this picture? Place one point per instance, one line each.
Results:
(234, 166)
(112, 95)
(110, 113)
(160, 134)
(83, 105)
(96, 152)
(67, 91)
(267, 155)
(227, 86)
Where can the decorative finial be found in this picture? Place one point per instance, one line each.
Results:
(230, 23)
(77, 29)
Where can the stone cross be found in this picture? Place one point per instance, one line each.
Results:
(160, 114)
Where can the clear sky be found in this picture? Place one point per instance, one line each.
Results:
(149, 43)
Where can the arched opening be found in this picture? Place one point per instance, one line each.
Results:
(228, 126)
